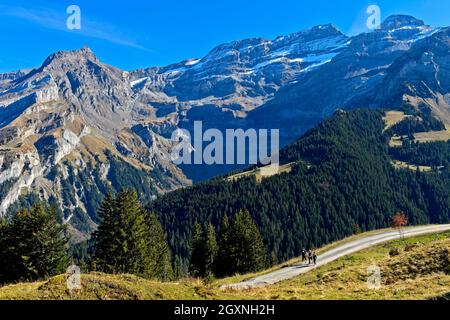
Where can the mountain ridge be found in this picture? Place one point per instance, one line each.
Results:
(342, 180)
(76, 118)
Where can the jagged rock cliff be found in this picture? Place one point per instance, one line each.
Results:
(75, 128)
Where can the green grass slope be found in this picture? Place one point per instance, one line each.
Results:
(414, 268)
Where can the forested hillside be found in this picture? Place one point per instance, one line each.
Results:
(342, 183)
(90, 187)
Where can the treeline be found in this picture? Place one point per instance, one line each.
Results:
(433, 154)
(129, 240)
(34, 243)
(342, 183)
(236, 248)
(419, 122)
(121, 176)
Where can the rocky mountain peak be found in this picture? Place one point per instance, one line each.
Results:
(314, 33)
(401, 21)
(73, 56)
(72, 108)
(13, 75)
(326, 28)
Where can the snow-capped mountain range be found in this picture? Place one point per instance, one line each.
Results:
(74, 127)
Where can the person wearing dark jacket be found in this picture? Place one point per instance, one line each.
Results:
(303, 255)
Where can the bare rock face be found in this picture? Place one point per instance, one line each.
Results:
(75, 128)
(374, 70)
(24, 170)
(401, 22)
(5, 78)
(65, 133)
(241, 75)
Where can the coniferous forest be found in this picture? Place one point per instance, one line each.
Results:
(342, 182)
(33, 245)
(238, 248)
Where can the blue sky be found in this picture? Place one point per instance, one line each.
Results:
(133, 34)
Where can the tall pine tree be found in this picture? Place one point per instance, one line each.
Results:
(197, 252)
(3, 243)
(224, 254)
(241, 246)
(129, 240)
(106, 244)
(204, 251)
(34, 245)
(160, 265)
(211, 250)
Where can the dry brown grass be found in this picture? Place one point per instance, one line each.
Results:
(395, 141)
(262, 173)
(419, 271)
(418, 260)
(433, 136)
(403, 165)
(393, 117)
(98, 286)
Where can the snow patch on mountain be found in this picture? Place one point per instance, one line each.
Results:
(192, 62)
(137, 82)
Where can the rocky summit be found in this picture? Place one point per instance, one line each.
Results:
(75, 128)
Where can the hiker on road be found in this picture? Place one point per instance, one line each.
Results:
(315, 258)
(303, 255)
